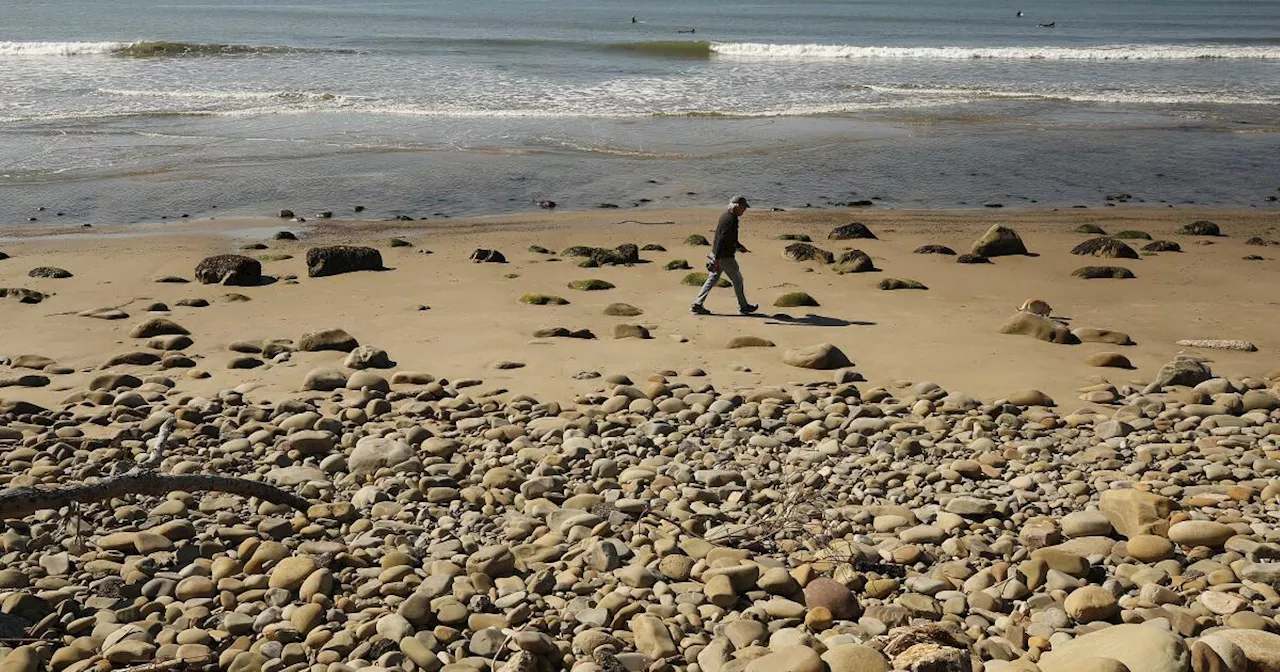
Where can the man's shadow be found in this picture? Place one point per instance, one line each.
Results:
(810, 320)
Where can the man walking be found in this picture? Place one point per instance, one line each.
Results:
(723, 259)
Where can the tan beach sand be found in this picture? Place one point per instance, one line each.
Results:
(947, 334)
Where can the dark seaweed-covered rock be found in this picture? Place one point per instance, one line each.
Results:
(1201, 227)
(677, 265)
(935, 249)
(623, 309)
(1103, 272)
(626, 253)
(22, 294)
(592, 285)
(1109, 248)
(399, 242)
(1162, 246)
(1256, 241)
(285, 235)
(854, 261)
(488, 256)
(795, 300)
(48, 272)
(336, 259)
(229, 269)
(1093, 229)
(901, 283)
(697, 239)
(972, 259)
(622, 255)
(538, 249)
(807, 252)
(653, 247)
(1133, 235)
(543, 300)
(798, 237)
(851, 231)
(698, 278)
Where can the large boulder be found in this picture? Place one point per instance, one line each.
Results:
(1182, 371)
(1134, 512)
(482, 255)
(368, 357)
(229, 269)
(335, 259)
(1259, 649)
(327, 339)
(1091, 335)
(824, 356)
(1142, 648)
(1109, 248)
(158, 326)
(1035, 326)
(999, 241)
(807, 252)
(854, 261)
(324, 380)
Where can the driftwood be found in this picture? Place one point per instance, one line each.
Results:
(141, 480)
(165, 665)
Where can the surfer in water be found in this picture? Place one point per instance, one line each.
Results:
(1019, 16)
(1051, 24)
(691, 30)
(633, 19)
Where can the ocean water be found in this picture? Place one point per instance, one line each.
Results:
(135, 110)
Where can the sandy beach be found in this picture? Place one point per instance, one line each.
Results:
(947, 334)
(412, 470)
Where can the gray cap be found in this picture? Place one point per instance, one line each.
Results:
(739, 200)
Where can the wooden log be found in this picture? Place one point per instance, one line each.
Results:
(20, 502)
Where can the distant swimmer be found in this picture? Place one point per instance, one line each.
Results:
(633, 19)
(1051, 24)
(1019, 14)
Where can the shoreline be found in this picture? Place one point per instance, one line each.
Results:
(246, 226)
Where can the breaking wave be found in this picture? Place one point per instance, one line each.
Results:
(1117, 52)
(146, 49)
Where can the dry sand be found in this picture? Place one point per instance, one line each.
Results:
(947, 334)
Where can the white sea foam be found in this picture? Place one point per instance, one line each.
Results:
(959, 94)
(227, 95)
(1135, 52)
(35, 49)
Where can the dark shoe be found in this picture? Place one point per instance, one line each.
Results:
(699, 309)
(748, 309)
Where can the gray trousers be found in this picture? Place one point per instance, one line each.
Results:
(729, 267)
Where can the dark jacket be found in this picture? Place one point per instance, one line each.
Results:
(726, 242)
